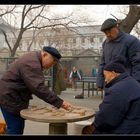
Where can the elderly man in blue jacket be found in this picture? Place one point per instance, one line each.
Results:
(119, 43)
(119, 113)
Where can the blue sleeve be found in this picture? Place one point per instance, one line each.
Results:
(111, 112)
(100, 76)
(134, 57)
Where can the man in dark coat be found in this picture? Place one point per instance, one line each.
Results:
(24, 78)
(119, 112)
(119, 43)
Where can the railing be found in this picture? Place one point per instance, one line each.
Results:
(5, 62)
(83, 63)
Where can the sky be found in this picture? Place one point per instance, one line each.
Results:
(98, 13)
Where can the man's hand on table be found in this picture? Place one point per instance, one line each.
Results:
(66, 105)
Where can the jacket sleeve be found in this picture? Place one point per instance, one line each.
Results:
(100, 76)
(34, 80)
(134, 58)
(111, 112)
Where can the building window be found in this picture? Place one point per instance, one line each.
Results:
(20, 45)
(66, 42)
(83, 40)
(91, 39)
(101, 39)
(27, 42)
(74, 40)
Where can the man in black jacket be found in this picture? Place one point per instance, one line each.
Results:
(24, 78)
(119, 112)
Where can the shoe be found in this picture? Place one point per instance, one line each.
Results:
(80, 96)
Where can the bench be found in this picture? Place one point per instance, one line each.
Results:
(91, 85)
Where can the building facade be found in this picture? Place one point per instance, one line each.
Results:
(68, 42)
(79, 46)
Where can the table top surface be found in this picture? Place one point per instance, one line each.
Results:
(50, 114)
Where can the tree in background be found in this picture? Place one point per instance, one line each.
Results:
(33, 18)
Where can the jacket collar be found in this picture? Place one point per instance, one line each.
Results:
(38, 53)
(117, 79)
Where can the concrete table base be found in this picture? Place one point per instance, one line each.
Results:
(58, 128)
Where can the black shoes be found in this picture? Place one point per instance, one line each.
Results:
(80, 96)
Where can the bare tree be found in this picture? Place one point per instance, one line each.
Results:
(37, 17)
(33, 38)
(4, 10)
(131, 19)
(137, 29)
(34, 17)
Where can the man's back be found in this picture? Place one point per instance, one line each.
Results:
(14, 82)
(119, 112)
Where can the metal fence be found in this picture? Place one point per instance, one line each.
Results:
(84, 64)
(5, 62)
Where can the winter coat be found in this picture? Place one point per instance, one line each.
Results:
(24, 78)
(119, 113)
(59, 83)
(124, 45)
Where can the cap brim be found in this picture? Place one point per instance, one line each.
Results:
(108, 28)
(57, 60)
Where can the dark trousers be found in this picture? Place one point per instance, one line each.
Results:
(15, 123)
(74, 83)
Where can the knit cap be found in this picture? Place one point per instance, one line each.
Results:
(117, 65)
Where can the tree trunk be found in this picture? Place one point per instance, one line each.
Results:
(131, 19)
(13, 52)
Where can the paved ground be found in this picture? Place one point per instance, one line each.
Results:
(39, 128)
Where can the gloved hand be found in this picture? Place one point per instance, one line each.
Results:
(89, 129)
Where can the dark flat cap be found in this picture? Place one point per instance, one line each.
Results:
(53, 51)
(108, 24)
(118, 65)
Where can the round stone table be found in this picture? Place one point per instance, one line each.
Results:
(57, 118)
